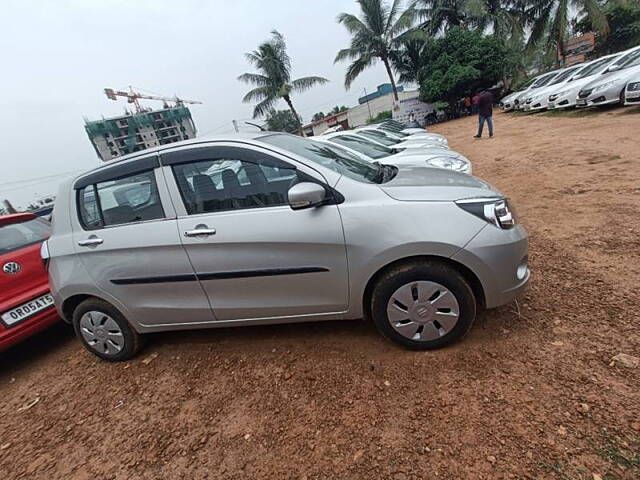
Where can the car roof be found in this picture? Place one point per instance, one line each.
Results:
(235, 137)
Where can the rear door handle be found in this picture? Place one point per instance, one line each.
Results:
(200, 231)
(90, 242)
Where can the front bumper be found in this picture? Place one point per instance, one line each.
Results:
(632, 97)
(602, 97)
(499, 260)
(23, 330)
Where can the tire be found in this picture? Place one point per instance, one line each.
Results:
(415, 305)
(622, 96)
(104, 331)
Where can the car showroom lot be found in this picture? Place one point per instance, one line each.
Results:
(531, 392)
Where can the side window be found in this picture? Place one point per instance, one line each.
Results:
(233, 184)
(124, 200)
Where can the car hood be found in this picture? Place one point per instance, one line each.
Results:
(430, 151)
(621, 75)
(572, 86)
(415, 183)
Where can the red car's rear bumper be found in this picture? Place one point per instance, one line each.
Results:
(31, 326)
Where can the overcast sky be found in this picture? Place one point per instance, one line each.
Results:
(58, 56)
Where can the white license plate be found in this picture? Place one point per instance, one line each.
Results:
(551, 105)
(27, 310)
(581, 101)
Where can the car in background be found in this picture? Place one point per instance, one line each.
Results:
(542, 81)
(507, 103)
(405, 137)
(436, 157)
(565, 95)
(397, 126)
(389, 140)
(632, 92)
(298, 232)
(609, 87)
(26, 305)
(539, 100)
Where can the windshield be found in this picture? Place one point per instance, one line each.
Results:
(377, 137)
(363, 146)
(622, 61)
(544, 80)
(632, 60)
(334, 158)
(395, 131)
(14, 236)
(594, 67)
(564, 75)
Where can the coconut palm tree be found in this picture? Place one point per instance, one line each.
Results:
(549, 21)
(273, 82)
(439, 15)
(379, 29)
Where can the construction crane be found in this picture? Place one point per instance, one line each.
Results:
(133, 97)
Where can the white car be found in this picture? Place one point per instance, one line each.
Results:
(539, 100)
(405, 137)
(508, 103)
(372, 152)
(632, 92)
(565, 95)
(609, 87)
(389, 138)
(396, 144)
(542, 81)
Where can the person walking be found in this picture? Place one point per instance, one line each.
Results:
(485, 113)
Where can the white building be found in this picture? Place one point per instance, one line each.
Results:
(370, 107)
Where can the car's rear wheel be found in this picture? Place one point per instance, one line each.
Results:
(104, 331)
(423, 305)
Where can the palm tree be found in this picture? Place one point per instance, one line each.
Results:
(550, 19)
(375, 34)
(273, 81)
(439, 15)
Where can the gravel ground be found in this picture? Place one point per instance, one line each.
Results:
(531, 393)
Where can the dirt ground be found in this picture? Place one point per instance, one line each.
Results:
(530, 393)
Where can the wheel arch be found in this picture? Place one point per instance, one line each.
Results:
(70, 304)
(467, 274)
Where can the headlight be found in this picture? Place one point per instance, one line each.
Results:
(604, 86)
(450, 163)
(496, 211)
(555, 96)
(633, 87)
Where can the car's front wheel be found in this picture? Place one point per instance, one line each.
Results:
(104, 331)
(423, 305)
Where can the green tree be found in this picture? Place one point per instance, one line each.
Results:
(338, 109)
(459, 63)
(624, 21)
(318, 116)
(375, 34)
(273, 82)
(550, 20)
(282, 121)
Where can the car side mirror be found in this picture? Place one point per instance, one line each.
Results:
(306, 195)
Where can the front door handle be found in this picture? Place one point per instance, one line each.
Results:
(89, 242)
(200, 230)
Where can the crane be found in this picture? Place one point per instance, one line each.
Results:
(133, 97)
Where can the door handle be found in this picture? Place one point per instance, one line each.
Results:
(90, 242)
(200, 231)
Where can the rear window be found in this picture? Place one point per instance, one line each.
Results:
(14, 236)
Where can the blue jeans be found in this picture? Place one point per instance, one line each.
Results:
(481, 120)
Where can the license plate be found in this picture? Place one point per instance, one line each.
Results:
(551, 105)
(27, 310)
(581, 101)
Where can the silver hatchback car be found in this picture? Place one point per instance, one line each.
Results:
(272, 228)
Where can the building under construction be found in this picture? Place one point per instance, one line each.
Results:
(132, 132)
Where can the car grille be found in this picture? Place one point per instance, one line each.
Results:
(633, 87)
(584, 93)
(633, 100)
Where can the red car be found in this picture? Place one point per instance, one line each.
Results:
(26, 307)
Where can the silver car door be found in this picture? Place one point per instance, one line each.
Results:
(256, 257)
(126, 236)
